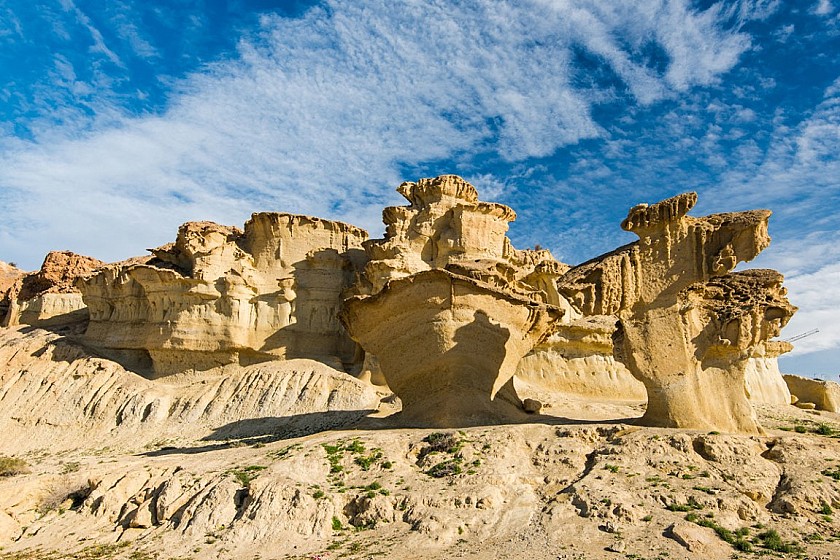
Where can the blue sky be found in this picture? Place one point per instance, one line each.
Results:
(120, 120)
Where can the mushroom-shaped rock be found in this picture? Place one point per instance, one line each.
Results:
(449, 307)
(651, 286)
(693, 356)
(449, 345)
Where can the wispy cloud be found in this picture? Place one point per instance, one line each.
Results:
(321, 114)
(99, 45)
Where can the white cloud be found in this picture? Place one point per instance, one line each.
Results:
(823, 7)
(319, 114)
(818, 296)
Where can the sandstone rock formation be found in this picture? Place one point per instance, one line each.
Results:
(448, 345)
(219, 295)
(9, 274)
(577, 361)
(687, 327)
(763, 379)
(824, 394)
(449, 307)
(48, 297)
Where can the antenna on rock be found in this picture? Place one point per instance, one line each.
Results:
(802, 335)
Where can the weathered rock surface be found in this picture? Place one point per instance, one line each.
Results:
(763, 380)
(529, 491)
(220, 296)
(688, 327)
(824, 394)
(449, 308)
(577, 360)
(54, 394)
(448, 345)
(9, 274)
(48, 297)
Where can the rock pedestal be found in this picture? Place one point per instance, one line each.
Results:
(449, 345)
(449, 307)
(687, 327)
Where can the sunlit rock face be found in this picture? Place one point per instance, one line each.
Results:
(666, 291)
(449, 307)
(764, 381)
(577, 361)
(48, 297)
(220, 295)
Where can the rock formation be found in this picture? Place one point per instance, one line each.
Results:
(9, 274)
(824, 394)
(48, 297)
(577, 361)
(764, 381)
(443, 309)
(687, 327)
(449, 307)
(220, 295)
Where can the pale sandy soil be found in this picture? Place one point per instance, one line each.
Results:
(573, 483)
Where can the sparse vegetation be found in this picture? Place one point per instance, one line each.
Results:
(690, 505)
(771, 540)
(70, 467)
(738, 539)
(246, 474)
(336, 524)
(13, 466)
(450, 467)
(832, 472)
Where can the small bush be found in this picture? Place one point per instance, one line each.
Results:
(824, 430)
(832, 473)
(13, 466)
(355, 447)
(691, 505)
(246, 474)
(442, 442)
(449, 467)
(771, 540)
(336, 524)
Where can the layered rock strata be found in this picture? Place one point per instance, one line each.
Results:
(688, 347)
(449, 307)
(577, 361)
(49, 297)
(220, 295)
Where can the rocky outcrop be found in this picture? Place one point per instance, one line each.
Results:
(687, 326)
(9, 274)
(449, 307)
(48, 297)
(824, 394)
(220, 295)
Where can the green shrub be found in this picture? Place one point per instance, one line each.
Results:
(449, 467)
